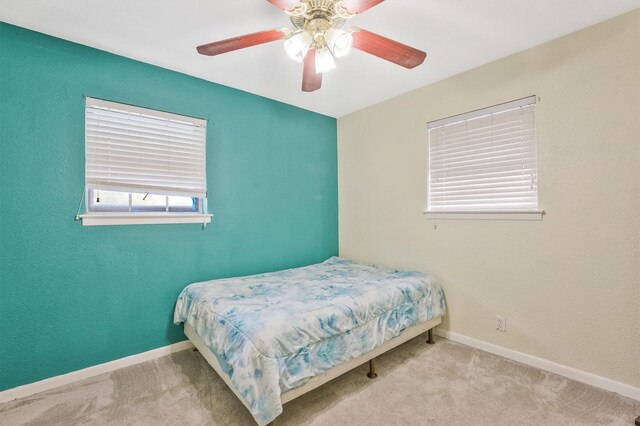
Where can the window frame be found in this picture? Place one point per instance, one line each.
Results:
(131, 215)
(481, 214)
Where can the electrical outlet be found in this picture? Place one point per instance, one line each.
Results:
(501, 323)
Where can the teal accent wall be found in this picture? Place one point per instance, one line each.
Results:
(73, 296)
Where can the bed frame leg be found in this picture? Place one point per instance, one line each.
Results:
(372, 370)
(430, 338)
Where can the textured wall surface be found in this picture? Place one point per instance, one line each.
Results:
(569, 285)
(74, 296)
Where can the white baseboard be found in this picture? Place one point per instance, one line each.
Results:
(569, 372)
(543, 364)
(85, 373)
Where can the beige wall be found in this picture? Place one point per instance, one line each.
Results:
(569, 285)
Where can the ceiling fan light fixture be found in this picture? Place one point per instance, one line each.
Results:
(324, 61)
(298, 45)
(316, 38)
(339, 42)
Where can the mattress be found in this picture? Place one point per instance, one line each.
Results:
(273, 332)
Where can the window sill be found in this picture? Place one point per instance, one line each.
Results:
(484, 215)
(99, 219)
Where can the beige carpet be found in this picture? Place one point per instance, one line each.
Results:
(418, 384)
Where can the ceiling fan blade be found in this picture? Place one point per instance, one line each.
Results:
(359, 6)
(387, 49)
(310, 79)
(240, 42)
(285, 4)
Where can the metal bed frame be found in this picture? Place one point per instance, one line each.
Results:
(330, 374)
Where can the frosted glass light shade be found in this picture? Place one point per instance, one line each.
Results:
(339, 42)
(298, 45)
(324, 60)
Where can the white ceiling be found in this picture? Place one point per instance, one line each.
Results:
(456, 34)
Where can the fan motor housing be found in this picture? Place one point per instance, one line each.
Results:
(319, 15)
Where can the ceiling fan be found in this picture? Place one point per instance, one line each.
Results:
(317, 38)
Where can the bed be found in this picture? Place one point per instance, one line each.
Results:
(273, 337)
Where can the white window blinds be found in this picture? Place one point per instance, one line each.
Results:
(485, 160)
(135, 149)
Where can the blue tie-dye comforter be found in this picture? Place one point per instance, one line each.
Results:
(273, 332)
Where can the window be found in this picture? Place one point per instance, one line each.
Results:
(483, 164)
(118, 201)
(143, 166)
